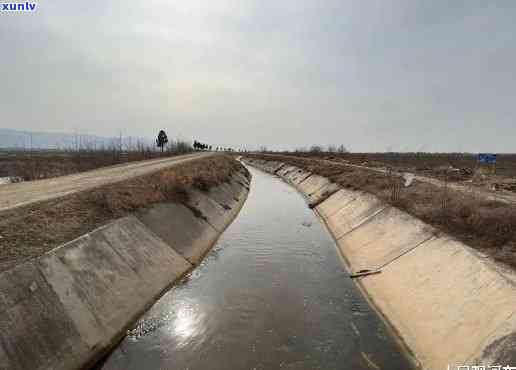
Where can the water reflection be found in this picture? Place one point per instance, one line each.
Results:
(272, 294)
(187, 324)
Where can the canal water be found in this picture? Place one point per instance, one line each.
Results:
(272, 294)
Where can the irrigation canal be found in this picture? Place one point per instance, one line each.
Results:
(272, 294)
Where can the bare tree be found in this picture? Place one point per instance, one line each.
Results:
(342, 149)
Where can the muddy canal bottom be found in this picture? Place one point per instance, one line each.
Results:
(272, 294)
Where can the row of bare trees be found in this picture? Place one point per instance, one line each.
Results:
(314, 149)
(197, 145)
(83, 155)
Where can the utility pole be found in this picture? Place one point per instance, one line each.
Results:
(120, 147)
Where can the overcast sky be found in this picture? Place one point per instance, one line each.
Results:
(429, 75)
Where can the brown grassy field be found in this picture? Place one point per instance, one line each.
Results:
(41, 164)
(486, 225)
(434, 165)
(32, 230)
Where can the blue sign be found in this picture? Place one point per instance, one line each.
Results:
(487, 158)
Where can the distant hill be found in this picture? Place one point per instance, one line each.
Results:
(17, 139)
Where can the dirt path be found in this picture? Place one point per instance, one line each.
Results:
(19, 194)
(500, 196)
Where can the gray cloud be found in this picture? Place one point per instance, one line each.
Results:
(403, 74)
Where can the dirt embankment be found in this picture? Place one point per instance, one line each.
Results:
(489, 226)
(451, 167)
(43, 164)
(30, 231)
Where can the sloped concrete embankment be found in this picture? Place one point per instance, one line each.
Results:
(65, 309)
(448, 304)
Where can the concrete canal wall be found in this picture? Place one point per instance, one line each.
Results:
(65, 309)
(449, 304)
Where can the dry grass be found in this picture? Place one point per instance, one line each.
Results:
(36, 165)
(30, 231)
(427, 164)
(486, 225)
